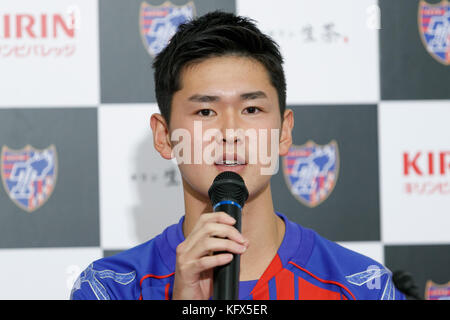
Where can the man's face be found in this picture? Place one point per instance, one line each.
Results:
(219, 96)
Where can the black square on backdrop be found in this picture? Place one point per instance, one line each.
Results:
(407, 70)
(70, 216)
(423, 262)
(351, 211)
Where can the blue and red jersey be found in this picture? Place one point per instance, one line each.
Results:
(306, 266)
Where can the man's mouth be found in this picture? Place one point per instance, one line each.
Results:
(230, 162)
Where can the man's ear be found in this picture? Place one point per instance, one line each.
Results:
(161, 136)
(286, 132)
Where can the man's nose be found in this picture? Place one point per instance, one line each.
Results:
(231, 129)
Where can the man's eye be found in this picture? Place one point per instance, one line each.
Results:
(206, 113)
(251, 110)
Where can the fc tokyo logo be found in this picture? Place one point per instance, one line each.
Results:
(434, 27)
(311, 171)
(159, 23)
(434, 291)
(29, 175)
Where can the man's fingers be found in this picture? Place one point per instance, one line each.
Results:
(217, 245)
(224, 231)
(217, 224)
(209, 262)
(217, 217)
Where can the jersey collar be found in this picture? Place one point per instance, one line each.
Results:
(297, 244)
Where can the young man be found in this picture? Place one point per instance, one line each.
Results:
(221, 73)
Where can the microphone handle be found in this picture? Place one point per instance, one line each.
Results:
(226, 277)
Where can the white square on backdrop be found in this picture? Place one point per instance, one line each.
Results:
(414, 153)
(49, 53)
(140, 192)
(42, 273)
(330, 47)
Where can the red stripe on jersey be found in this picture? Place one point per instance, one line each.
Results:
(308, 291)
(285, 285)
(156, 277)
(274, 267)
(324, 281)
(262, 293)
(166, 292)
(261, 289)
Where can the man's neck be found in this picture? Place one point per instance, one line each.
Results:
(260, 225)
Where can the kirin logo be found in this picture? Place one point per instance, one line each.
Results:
(311, 171)
(159, 23)
(427, 172)
(40, 34)
(29, 175)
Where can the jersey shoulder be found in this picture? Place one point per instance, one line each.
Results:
(357, 276)
(121, 276)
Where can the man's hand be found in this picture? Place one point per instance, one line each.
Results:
(194, 260)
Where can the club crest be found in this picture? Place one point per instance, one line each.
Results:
(311, 171)
(159, 23)
(434, 28)
(435, 291)
(29, 175)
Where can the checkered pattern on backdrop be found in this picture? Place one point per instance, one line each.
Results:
(369, 169)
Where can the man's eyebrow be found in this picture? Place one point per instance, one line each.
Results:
(243, 96)
(253, 95)
(203, 98)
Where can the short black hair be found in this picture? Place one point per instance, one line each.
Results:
(215, 34)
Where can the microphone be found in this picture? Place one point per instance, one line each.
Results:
(405, 283)
(228, 194)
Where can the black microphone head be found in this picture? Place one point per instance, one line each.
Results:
(228, 185)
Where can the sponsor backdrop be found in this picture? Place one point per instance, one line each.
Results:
(369, 168)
